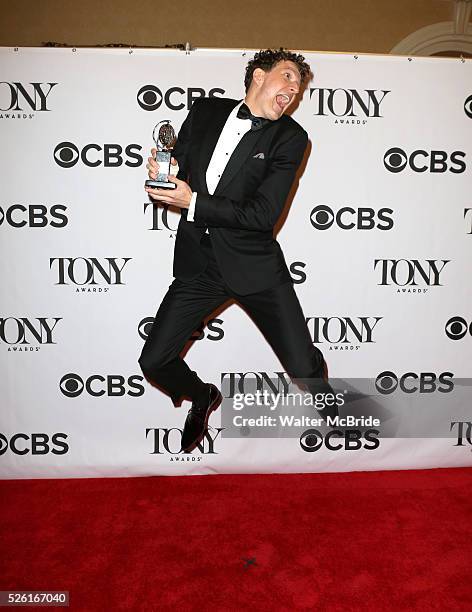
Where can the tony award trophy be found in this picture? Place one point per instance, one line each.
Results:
(164, 137)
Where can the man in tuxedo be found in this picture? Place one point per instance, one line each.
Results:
(237, 161)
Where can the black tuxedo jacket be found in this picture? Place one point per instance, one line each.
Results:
(247, 202)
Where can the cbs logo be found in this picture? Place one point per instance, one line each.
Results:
(34, 215)
(214, 329)
(425, 382)
(322, 217)
(67, 154)
(36, 444)
(72, 385)
(150, 97)
(396, 160)
(349, 440)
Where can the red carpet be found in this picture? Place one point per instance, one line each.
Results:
(358, 541)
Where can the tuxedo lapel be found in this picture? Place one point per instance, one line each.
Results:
(239, 156)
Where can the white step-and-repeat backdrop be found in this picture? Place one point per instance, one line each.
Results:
(378, 239)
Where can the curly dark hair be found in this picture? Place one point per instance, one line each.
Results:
(268, 58)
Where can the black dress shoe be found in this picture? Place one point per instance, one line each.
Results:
(197, 418)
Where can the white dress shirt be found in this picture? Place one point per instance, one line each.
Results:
(232, 132)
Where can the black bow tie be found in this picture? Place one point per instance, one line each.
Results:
(256, 122)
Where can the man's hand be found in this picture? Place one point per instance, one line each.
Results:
(180, 196)
(153, 166)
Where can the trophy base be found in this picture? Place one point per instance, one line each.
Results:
(160, 184)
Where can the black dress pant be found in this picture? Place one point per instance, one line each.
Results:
(276, 311)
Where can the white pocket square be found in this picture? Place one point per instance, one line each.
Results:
(259, 156)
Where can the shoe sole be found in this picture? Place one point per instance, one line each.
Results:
(213, 406)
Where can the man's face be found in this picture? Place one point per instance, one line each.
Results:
(275, 90)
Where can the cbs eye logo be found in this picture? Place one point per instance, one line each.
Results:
(71, 385)
(395, 159)
(386, 382)
(145, 326)
(322, 217)
(457, 328)
(149, 97)
(311, 440)
(66, 154)
(468, 107)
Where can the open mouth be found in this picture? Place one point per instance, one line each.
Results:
(282, 100)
